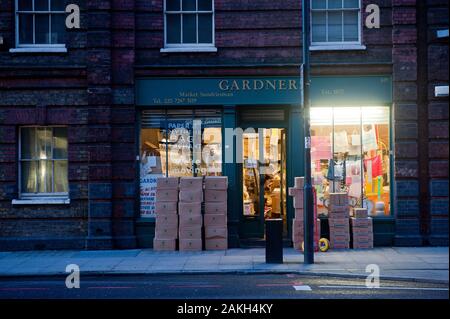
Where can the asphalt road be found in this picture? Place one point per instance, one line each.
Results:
(225, 286)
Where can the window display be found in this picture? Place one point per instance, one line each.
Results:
(350, 153)
(179, 142)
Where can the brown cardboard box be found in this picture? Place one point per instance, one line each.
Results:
(297, 223)
(191, 183)
(298, 202)
(298, 237)
(164, 244)
(362, 245)
(167, 220)
(166, 207)
(212, 195)
(339, 215)
(362, 222)
(187, 221)
(185, 208)
(166, 195)
(299, 214)
(216, 232)
(193, 232)
(216, 208)
(167, 183)
(216, 182)
(190, 244)
(338, 208)
(216, 244)
(191, 196)
(338, 221)
(166, 232)
(215, 220)
(360, 213)
(295, 192)
(299, 182)
(338, 199)
(362, 230)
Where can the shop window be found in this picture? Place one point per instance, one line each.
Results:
(189, 24)
(350, 153)
(40, 23)
(180, 142)
(335, 22)
(43, 162)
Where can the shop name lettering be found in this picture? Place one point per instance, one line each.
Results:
(257, 85)
(226, 309)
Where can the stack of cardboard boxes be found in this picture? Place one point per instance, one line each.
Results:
(215, 218)
(190, 211)
(362, 229)
(338, 219)
(166, 230)
(298, 222)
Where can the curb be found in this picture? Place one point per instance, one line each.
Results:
(225, 272)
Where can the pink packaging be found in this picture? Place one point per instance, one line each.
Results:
(190, 244)
(167, 219)
(166, 207)
(190, 221)
(298, 202)
(166, 232)
(215, 220)
(166, 195)
(164, 244)
(212, 195)
(191, 183)
(216, 182)
(167, 183)
(297, 192)
(191, 196)
(299, 214)
(216, 232)
(216, 208)
(216, 244)
(185, 208)
(193, 232)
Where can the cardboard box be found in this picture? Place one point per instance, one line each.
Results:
(360, 213)
(362, 222)
(338, 199)
(338, 208)
(299, 214)
(164, 244)
(185, 208)
(298, 237)
(362, 230)
(299, 182)
(215, 220)
(167, 220)
(167, 183)
(338, 221)
(166, 207)
(191, 196)
(191, 183)
(188, 221)
(216, 244)
(339, 215)
(295, 192)
(216, 208)
(166, 195)
(166, 232)
(363, 246)
(193, 232)
(298, 202)
(190, 244)
(216, 232)
(216, 182)
(212, 195)
(297, 223)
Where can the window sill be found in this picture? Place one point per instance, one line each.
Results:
(337, 47)
(188, 49)
(39, 50)
(41, 201)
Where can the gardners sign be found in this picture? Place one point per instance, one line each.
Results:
(218, 91)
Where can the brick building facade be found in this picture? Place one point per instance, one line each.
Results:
(91, 90)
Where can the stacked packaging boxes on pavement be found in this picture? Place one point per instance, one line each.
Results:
(362, 229)
(190, 212)
(338, 219)
(215, 218)
(166, 229)
(298, 222)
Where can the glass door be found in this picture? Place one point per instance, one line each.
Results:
(263, 177)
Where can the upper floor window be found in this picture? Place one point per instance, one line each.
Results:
(335, 22)
(189, 24)
(43, 162)
(40, 23)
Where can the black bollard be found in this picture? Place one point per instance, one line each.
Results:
(274, 241)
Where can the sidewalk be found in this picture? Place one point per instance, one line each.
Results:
(422, 263)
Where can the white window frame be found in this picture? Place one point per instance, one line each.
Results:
(55, 47)
(337, 45)
(47, 197)
(189, 47)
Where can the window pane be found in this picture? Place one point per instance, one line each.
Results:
(334, 26)
(58, 31)
(28, 177)
(189, 5)
(42, 28)
(180, 147)
(61, 180)
(173, 5)
(43, 138)
(351, 26)
(59, 143)
(25, 5)
(205, 28)
(319, 27)
(319, 4)
(28, 143)
(45, 177)
(190, 28)
(26, 29)
(205, 5)
(351, 3)
(59, 5)
(173, 28)
(334, 4)
(40, 5)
